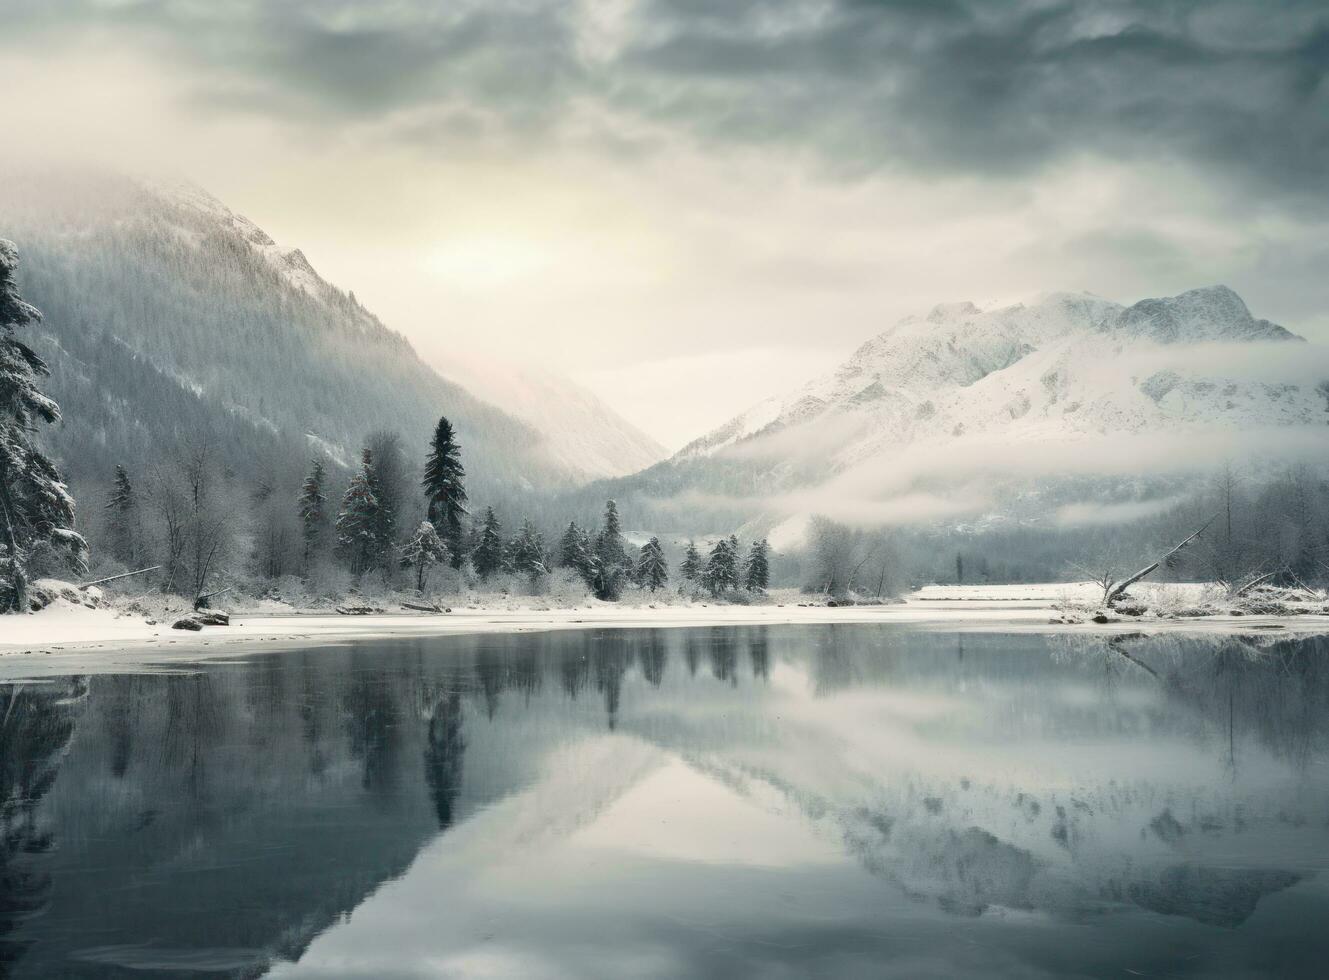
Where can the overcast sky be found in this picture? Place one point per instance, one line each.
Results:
(691, 204)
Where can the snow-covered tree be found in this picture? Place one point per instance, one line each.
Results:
(757, 568)
(313, 502)
(122, 518)
(527, 554)
(721, 572)
(691, 567)
(357, 522)
(425, 548)
(573, 548)
(35, 507)
(652, 571)
(487, 557)
(445, 489)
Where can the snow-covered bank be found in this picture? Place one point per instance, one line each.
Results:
(66, 638)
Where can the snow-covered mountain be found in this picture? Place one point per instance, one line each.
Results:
(169, 317)
(578, 428)
(957, 411)
(1065, 364)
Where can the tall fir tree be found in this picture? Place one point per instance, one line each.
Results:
(122, 518)
(652, 571)
(357, 522)
(757, 568)
(35, 507)
(313, 503)
(487, 558)
(691, 567)
(386, 478)
(445, 488)
(721, 573)
(572, 548)
(609, 546)
(609, 563)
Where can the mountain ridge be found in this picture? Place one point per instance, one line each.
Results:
(961, 412)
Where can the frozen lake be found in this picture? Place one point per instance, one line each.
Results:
(831, 800)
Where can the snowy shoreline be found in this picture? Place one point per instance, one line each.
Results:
(77, 640)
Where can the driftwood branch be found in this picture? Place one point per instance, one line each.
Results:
(114, 578)
(203, 598)
(1257, 580)
(1119, 590)
(421, 606)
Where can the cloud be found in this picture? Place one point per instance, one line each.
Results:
(953, 86)
(1086, 514)
(968, 476)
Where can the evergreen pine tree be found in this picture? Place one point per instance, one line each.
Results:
(35, 507)
(721, 571)
(571, 548)
(757, 568)
(445, 489)
(385, 474)
(609, 547)
(425, 548)
(609, 563)
(313, 512)
(652, 571)
(691, 566)
(122, 518)
(357, 523)
(488, 554)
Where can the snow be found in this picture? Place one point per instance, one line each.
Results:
(1066, 366)
(65, 638)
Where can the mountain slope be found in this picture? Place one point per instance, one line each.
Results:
(171, 319)
(965, 412)
(576, 427)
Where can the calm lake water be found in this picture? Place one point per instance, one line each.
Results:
(840, 801)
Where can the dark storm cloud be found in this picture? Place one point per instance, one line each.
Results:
(999, 87)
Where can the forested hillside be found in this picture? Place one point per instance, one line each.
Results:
(171, 320)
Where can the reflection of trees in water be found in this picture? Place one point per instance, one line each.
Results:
(36, 724)
(194, 724)
(692, 652)
(574, 669)
(1274, 690)
(723, 646)
(444, 747)
(759, 651)
(653, 658)
(373, 721)
(609, 659)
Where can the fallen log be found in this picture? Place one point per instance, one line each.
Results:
(358, 610)
(1117, 591)
(202, 601)
(115, 578)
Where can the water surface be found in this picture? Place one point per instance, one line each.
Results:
(841, 801)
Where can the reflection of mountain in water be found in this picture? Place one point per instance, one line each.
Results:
(221, 819)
